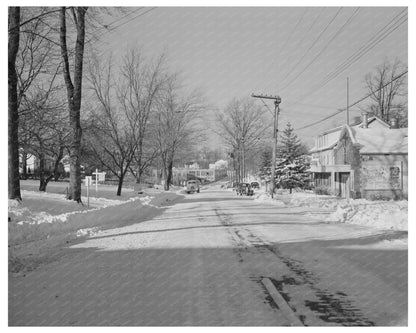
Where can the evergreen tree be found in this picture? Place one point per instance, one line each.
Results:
(266, 162)
(292, 174)
(292, 161)
(290, 145)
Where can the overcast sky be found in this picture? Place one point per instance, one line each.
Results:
(231, 52)
(287, 51)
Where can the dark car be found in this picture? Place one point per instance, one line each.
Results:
(255, 185)
(192, 186)
(244, 189)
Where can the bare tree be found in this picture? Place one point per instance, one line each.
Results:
(13, 122)
(38, 30)
(74, 92)
(386, 90)
(37, 69)
(37, 59)
(176, 124)
(118, 134)
(142, 84)
(110, 134)
(45, 129)
(242, 126)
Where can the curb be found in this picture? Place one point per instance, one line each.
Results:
(281, 303)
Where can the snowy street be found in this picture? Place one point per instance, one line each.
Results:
(215, 258)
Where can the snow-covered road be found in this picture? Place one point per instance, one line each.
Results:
(204, 261)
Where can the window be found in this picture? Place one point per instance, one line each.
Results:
(395, 175)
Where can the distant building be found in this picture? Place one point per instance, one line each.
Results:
(220, 164)
(365, 160)
(192, 165)
(180, 175)
(32, 164)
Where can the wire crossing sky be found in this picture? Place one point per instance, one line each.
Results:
(303, 54)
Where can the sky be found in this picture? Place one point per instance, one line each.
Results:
(232, 52)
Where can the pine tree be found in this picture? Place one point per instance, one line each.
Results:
(290, 145)
(290, 175)
(292, 161)
(266, 162)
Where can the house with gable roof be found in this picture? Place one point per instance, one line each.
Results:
(368, 159)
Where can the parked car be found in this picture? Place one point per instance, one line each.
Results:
(255, 185)
(244, 189)
(192, 186)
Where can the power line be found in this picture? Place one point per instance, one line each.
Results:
(317, 106)
(290, 36)
(369, 45)
(323, 49)
(313, 43)
(373, 41)
(107, 27)
(294, 29)
(133, 18)
(123, 23)
(353, 104)
(271, 112)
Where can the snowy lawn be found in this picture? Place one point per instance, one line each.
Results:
(43, 223)
(44, 214)
(104, 191)
(384, 215)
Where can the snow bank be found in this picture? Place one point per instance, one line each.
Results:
(88, 232)
(48, 201)
(391, 215)
(394, 244)
(266, 198)
(146, 201)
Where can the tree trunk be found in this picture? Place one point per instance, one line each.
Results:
(139, 176)
(56, 174)
(74, 98)
(139, 162)
(13, 121)
(169, 178)
(74, 160)
(24, 165)
(120, 184)
(42, 182)
(165, 178)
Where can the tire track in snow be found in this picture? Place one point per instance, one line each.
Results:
(321, 307)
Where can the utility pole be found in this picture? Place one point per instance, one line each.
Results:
(237, 169)
(243, 159)
(277, 101)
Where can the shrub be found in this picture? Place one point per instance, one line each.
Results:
(322, 190)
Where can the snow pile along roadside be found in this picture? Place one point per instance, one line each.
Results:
(263, 197)
(88, 232)
(391, 215)
(45, 207)
(384, 215)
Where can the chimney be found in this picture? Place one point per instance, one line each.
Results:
(394, 122)
(356, 120)
(365, 119)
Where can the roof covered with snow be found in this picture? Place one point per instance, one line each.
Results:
(381, 140)
(378, 137)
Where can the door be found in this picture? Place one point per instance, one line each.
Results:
(345, 185)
